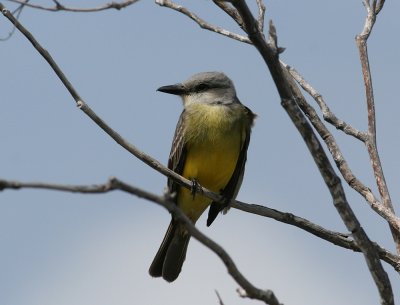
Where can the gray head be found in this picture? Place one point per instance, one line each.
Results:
(205, 87)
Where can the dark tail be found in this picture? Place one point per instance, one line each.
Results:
(171, 254)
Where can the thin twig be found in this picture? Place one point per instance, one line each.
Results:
(336, 238)
(202, 23)
(17, 13)
(371, 144)
(341, 162)
(328, 115)
(60, 7)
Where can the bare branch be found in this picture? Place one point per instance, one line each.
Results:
(85, 189)
(17, 13)
(328, 115)
(230, 10)
(60, 7)
(371, 144)
(341, 163)
(261, 15)
(336, 238)
(203, 24)
(379, 6)
(270, 53)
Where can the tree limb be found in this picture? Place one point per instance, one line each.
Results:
(203, 24)
(328, 115)
(336, 238)
(341, 163)
(60, 7)
(372, 10)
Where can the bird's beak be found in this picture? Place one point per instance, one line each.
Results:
(177, 89)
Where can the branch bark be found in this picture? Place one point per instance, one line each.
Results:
(341, 162)
(373, 9)
(328, 115)
(203, 24)
(60, 7)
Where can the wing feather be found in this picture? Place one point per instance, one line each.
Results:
(177, 156)
(232, 188)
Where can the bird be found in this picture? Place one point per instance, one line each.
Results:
(209, 148)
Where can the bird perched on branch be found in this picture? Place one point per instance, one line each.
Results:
(209, 148)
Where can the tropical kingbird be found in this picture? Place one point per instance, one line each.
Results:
(209, 148)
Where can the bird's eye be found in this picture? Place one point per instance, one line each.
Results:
(202, 87)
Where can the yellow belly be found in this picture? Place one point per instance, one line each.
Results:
(211, 160)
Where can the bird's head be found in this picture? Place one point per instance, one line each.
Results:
(205, 87)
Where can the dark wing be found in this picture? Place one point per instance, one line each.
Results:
(171, 254)
(232, 188)
(177, 155)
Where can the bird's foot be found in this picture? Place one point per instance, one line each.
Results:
(195, 187)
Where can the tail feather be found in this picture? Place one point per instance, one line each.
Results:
(175, 255)
(171, 254)
(156, 266)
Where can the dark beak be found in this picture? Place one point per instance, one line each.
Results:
(177, 89)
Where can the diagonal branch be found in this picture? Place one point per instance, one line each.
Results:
(203, 24)
(60, 7)
(337, 238)
(341, 162)
(230, 10)
(328, 115)
(372, 10)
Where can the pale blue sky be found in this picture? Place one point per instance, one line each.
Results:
(59, 248)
